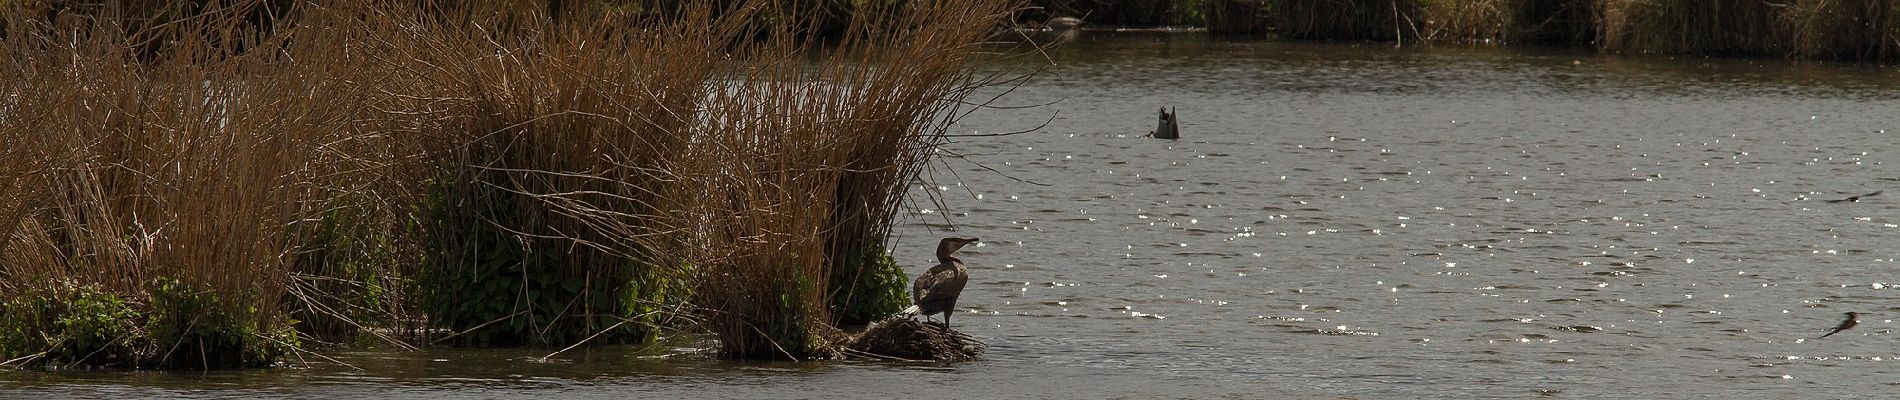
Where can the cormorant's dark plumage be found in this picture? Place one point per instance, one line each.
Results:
(936, 290)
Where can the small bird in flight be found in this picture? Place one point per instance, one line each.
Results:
(1856, 199)
(1852, 319)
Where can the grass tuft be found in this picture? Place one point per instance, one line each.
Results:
(261, 175)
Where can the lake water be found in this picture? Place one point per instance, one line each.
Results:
(1338, 221)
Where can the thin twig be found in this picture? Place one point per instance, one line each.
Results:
(588, 339)
(477, 327)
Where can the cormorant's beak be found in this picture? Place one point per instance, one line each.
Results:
(966, 242)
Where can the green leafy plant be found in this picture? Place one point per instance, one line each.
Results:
(66, 323)
(868, 288)
(191, 328)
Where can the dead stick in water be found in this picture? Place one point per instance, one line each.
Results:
(483, 325)
(584, 341)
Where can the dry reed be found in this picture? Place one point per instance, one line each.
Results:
(1135, 13)
(1647, 26)
(1245, 17)
(802, 166)
(182, 168)
(540, 138)
(1843, 29)
(504, 171)
(1505, 21)
(1481, 21)
(1344, 19)
(1836, 29)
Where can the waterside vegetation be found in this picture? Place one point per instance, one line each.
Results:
(221, 183)
(1808, 29)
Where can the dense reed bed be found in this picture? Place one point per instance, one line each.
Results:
(156, 195)
(1844, 29)
(1123, 13)
(1811, 29)
(778, 207)
(1564, 22)
(558, 128)
(475, 173)
(1343, 19)
(1829, 29)
(1742, 27)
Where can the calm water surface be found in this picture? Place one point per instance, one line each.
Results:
(1340, 221)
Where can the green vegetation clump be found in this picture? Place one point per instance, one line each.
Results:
(66, 323)
(342, 282)
(658, 299)
(191, 328)
(869, 287)
(490, 289)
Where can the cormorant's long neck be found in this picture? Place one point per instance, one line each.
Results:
(945, 257)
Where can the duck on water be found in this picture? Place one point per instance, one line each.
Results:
(1169, 127)
(936, 290)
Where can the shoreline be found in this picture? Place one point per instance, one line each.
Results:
(1798, 29)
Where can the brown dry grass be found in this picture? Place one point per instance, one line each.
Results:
(542, 138)
(1497, 22)
(195, 163)
(1345, 19)
(1650, 26)
(1246, 17)
(341, 152)
(1836, 29)
(1843, 29)
(1482, 21)
(802, 163)
(1832, 29)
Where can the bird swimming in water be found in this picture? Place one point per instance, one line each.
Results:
(1856, 199)
(936, 290)
(1852, 320)
(1168, 127)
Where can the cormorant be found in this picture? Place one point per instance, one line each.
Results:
(1852, 319)
(936, 290)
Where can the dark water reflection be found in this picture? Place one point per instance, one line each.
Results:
(1340, 221)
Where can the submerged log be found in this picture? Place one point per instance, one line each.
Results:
(905, 339)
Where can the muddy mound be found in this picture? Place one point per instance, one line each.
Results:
(910, 340)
